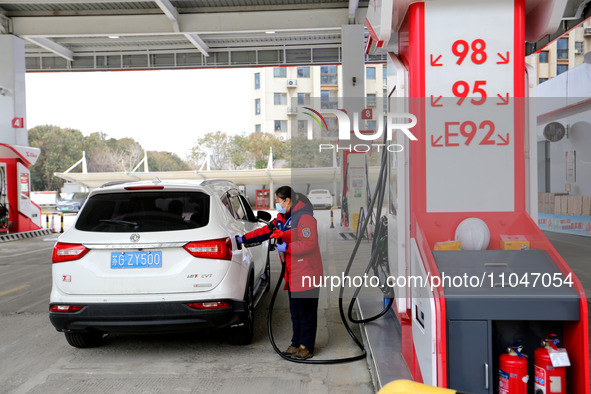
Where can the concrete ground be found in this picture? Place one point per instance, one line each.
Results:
(576, 251)
(34, 358)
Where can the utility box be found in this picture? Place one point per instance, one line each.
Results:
(482, 320)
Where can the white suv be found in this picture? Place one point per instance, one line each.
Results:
(320, 198)
(158, 256)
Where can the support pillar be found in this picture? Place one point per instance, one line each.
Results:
(13, 129)
(19, 213)
(354, 167)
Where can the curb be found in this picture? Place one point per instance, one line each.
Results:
(25, 235)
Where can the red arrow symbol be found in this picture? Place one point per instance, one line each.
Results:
(434, 102)
(434, 62)
(504, 101)
(505, 141)
(504, 60)
(435, 141)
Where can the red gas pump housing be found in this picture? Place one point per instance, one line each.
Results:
(432, 67)
(23, 214)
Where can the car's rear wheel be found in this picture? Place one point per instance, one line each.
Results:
(83, 340)
(241, 333)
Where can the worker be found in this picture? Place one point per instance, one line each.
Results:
(297, 240)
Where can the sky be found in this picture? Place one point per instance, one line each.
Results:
(164, 110)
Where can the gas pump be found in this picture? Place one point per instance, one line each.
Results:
(21, 213)
(460, 70)
(355, 191)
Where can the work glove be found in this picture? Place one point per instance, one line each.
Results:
(282, 247)
(277, 234)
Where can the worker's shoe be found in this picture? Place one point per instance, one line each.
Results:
(291, 350)
(302, 354)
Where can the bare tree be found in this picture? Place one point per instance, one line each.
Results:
(218, 146)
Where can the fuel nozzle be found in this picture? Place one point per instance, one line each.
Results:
(551, 341)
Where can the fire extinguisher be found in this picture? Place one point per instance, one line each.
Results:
(513, 376)
(548, 378)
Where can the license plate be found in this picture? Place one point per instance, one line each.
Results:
(136, 260)
(319, 198)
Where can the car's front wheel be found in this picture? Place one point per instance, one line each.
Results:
(241, 333)
(83, 339)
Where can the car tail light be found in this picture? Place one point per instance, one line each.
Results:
(212, 249)
(209, 305)
(65, 308)
(144, 187)
(67, 252)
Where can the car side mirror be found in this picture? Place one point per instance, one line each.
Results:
(264, 216)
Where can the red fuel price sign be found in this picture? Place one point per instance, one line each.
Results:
(469, 113)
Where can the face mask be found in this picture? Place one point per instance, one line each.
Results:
(279, 208)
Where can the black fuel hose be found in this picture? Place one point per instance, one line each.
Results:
(379, 195)
(285, 357)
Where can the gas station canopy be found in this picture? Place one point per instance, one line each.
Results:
(166, 34)
(131, 35)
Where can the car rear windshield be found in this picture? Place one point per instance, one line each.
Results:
(74, 196)
(319, 192)
(144, 211)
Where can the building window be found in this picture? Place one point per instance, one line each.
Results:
(257, 128)
(579, 47)
(333, 126)
(328, 75)
(385, 72)
(561, 68)
(562, 48)
(279, 72)
(281, 126)
(371, 125)
(257, 106)
(328, 99)
(370, 73)
(280, 98)
(303, 72)
(257, 80)
(371, 100)
(540, 80)
(303, 98)
(543, 57)
(302, 126)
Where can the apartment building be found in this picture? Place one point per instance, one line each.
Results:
(562, 54)
(278, 91)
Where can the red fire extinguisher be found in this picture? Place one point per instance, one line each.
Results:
(513, 376)
(549, 379)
